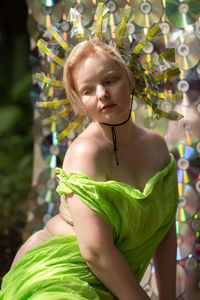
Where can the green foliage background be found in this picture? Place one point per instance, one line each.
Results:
(16, 141)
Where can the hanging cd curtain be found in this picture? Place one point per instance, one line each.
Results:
(158, 35)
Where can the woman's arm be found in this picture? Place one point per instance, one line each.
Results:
(113, 270)
(165, 264)
(95, 240)
(94, 235)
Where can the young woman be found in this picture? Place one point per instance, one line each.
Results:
(119, 198)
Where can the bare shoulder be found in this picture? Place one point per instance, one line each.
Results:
(157, 147)
(85, 155)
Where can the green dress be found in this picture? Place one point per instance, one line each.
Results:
(55, 269)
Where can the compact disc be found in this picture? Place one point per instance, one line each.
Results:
(86, 10)
(52, 153)
(185, 131)
(45, 15)
(34, 222)
(180, 281)
(66, 5)
(189, 84)
(187, 47)
(185, 240)
(35, 30)
(192, 289)
(47, 179)
(191, 267)
(146, 12)
(41, 214)
(46, 187)
(197, 29)
(115, 11)
(150, 122)
(187, 52)
(195, 225)
(49, 3)
(188, 161)
(188, 202)
(182, 13)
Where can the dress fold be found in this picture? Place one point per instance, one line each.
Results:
(139, 220)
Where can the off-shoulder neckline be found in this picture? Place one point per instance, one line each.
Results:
(147, 185)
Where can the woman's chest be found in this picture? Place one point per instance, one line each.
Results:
(135, 169)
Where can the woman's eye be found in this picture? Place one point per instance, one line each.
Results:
(110, 80)
(87, 92)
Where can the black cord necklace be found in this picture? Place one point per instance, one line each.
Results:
(114, 137)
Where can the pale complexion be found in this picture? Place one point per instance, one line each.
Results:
(104, 90)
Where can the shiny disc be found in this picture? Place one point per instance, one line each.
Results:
(46, 187)
(187, 47)
(49, 3)
(35, 30)
(86, 9)
(188, 161)
(180, 281)
(186, 130)
(185, 240)
(41, 214)
(112, 18)
(52, 153)
(182, 13)
(192, 290)
(115, 11)
(189, 84)
(188, 202)
(191, 267)
(45, 15)
(197, 29)
(147, 12)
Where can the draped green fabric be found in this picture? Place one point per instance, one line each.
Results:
(55, 269)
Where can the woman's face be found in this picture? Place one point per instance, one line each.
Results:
(103, 88)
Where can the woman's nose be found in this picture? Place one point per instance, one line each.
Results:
(101, 92)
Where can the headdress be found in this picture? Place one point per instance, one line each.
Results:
(150, 70)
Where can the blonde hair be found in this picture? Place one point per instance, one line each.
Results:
(78, 54)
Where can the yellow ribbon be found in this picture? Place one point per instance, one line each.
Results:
(58, 38)
(169, 54)
(48, 52)
(154, 30)
(50, 81)
(166, 96)
(54, 103)
(166, 74)
(99, 19)
(69, 128)
(56, 116)
(173, 115)
(125, 18)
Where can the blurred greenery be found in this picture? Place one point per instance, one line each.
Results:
(16, 141)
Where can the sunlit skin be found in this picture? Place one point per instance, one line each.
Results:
(104, 90)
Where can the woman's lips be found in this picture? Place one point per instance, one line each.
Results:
(108, 107)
